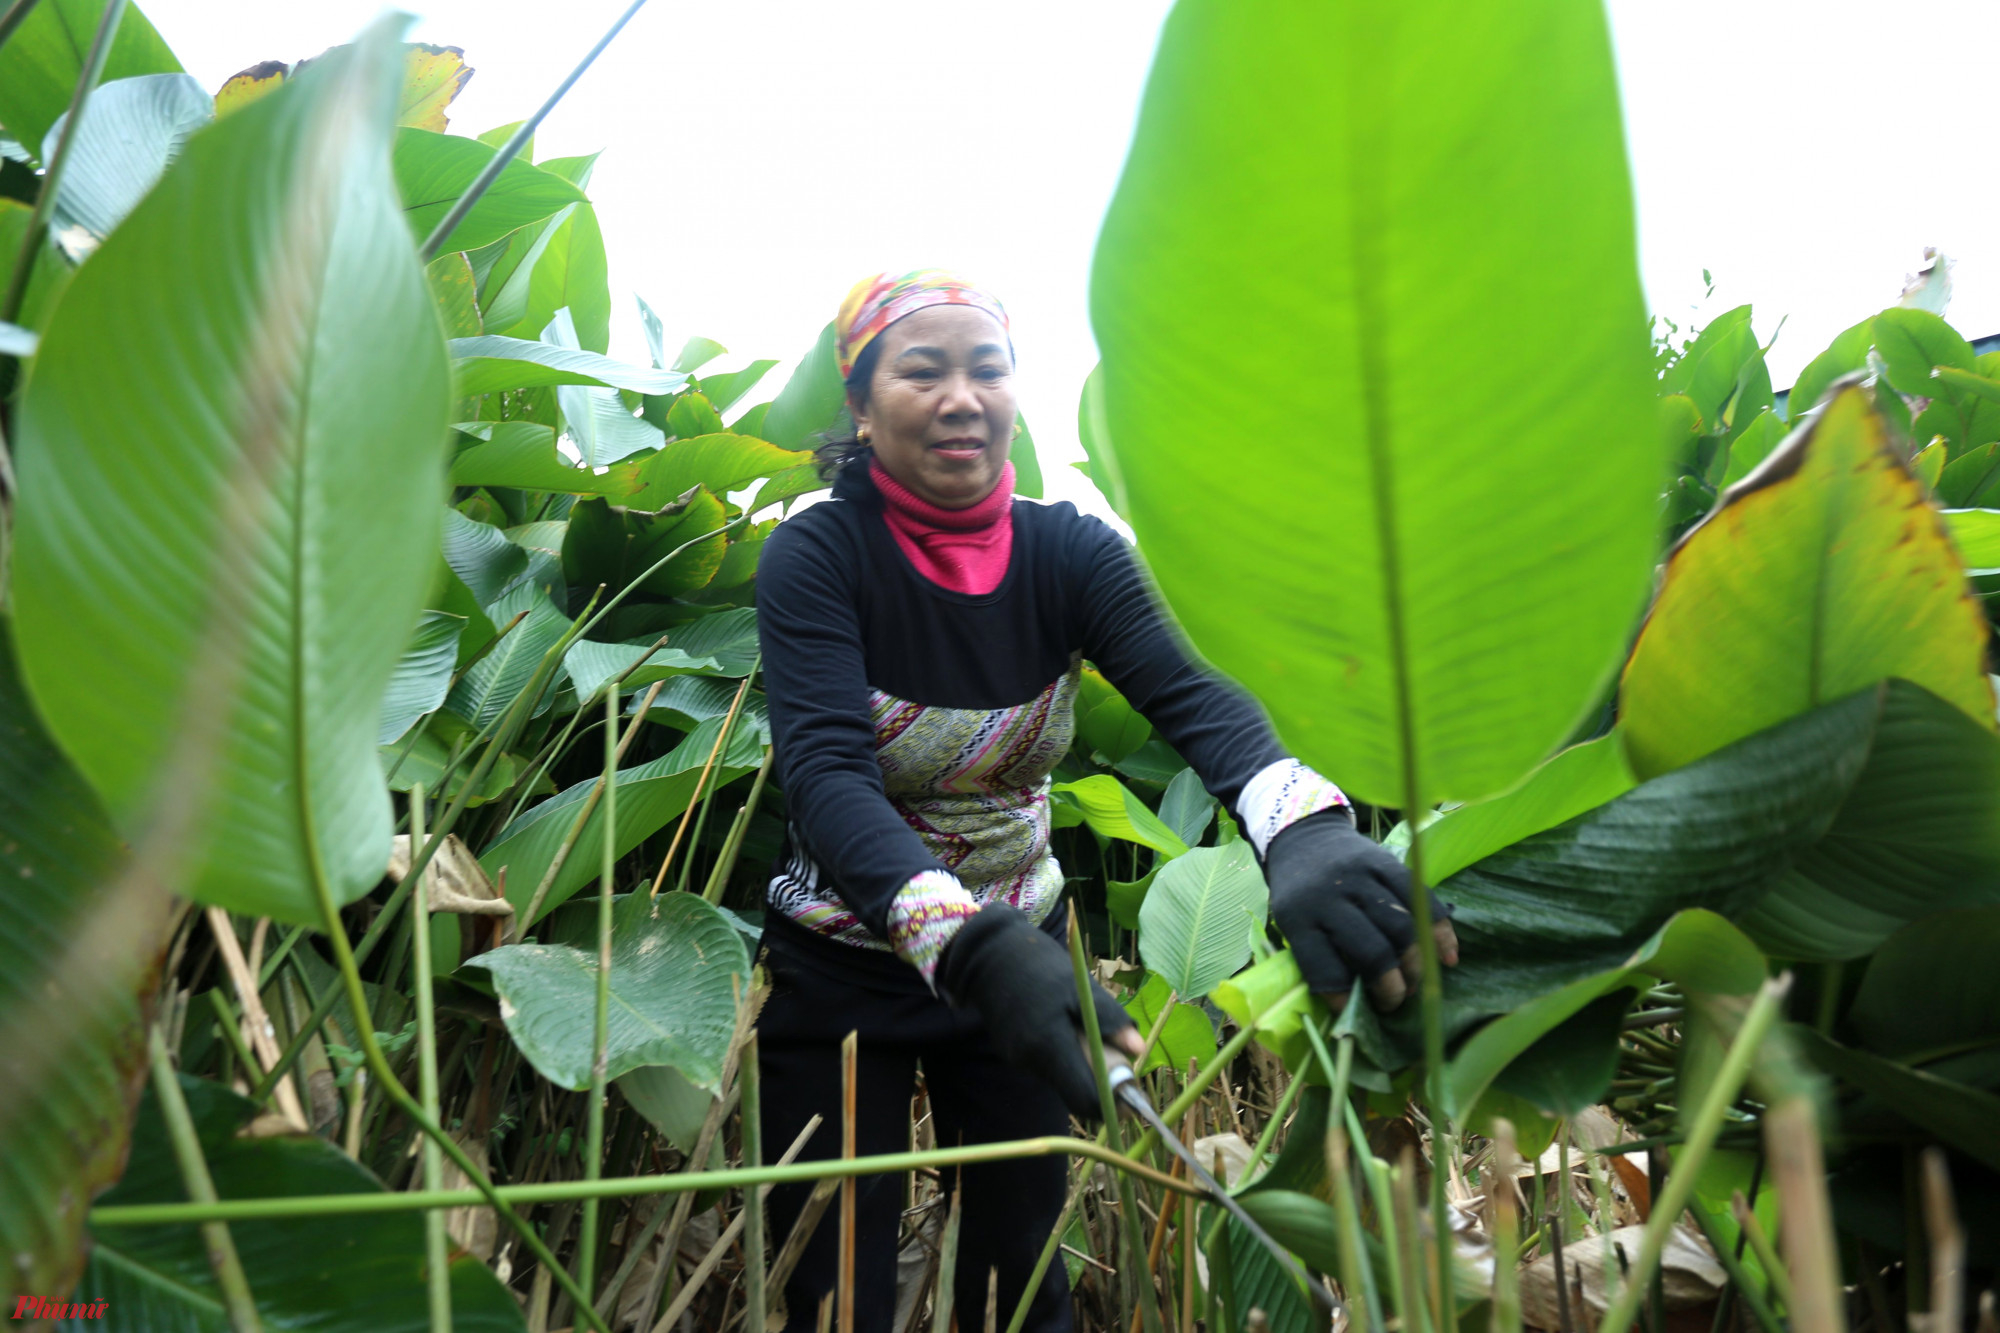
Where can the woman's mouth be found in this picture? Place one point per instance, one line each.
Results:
(959, 450)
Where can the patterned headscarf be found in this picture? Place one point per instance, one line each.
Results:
(880, 300)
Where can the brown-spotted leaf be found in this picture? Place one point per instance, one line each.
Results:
(433, 77)
(246, 86)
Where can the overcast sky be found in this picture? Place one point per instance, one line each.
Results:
(761, 155)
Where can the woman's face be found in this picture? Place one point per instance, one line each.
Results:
(940, 410)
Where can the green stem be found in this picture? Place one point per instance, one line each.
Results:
(1739, 1277)
(750, 1090)
(1356, 1274)
(708, 778)
(559, 1191)
(378, 1064)
(1707, 1123)
(45, 198)
(732, 847)
(593, 1157)
(1139, 1277)
(437, 1255)
(1271, 1128)
(215, 1236)
(1430, 998)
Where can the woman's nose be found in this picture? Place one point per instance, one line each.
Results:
(959, 399)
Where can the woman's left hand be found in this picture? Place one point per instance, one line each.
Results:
(1343, 901)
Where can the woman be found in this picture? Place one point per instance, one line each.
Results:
(922, 635)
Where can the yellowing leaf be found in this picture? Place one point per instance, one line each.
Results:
(246, 86)
(1825, 571)
(433, 76)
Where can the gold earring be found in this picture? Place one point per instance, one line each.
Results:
(861, 436)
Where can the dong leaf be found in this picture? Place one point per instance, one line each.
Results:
(1197, 921)
(433, 170)
(134, 128)
(423, 675)
(491, 363)
(677, 967)
(489, 686)
(1943, 1108)
(523, 454)
(1317, 200)
(1824, 572)
(563, 269)
(1112, 811)
(1976, 533)
(323, 1273)
(1914, 342)
(1847, 353)
(77, 964)
(42, 61)
(591, 664)
(231, 648)
(722, 463)
(1932, 989)
(1581, 778)
(1919, 832)
(811, 402)
(649, 795)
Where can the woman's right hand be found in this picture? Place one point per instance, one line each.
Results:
(1020, 982)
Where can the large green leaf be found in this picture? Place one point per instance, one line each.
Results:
(41, 63)
(77, 958)
(590, 664)
(603, 429)
(1581, 778)
(1960, 1115)
(612, 545)
(289, 386)
(1824, 572)
(564, 269)
(1318, 200)
(812, 401)
(423, 674)
(1197, 921)
(490, 685)
(433, 170)
(51, 271)
(523, 454)
(1188, 1035)
(134, 128)
(1918, 833)
(1914, 342)
(1582, 898)
(1847, 353)
(1976, 533)
(722, 463)
(1933, 989)
(677, 966)
(490, 363)
(1698, 949)
(649, 795)
(1112, 811)
(331, 1274)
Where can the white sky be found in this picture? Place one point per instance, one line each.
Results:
(761, 156)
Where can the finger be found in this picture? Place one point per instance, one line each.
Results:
(1387, 906)
(1336, 1004)
(1389, 990)
(1363, 947)
(1447, 942)
(1130, 1042)
(1319, 962)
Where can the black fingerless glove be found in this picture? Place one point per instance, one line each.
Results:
(1343, 901)
(1019, 980)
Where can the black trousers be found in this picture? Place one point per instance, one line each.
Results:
(1008, 1209)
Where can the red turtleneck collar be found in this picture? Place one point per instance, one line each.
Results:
(964, 550)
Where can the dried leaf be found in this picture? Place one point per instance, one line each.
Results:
(1691, 1276)
(454, 879)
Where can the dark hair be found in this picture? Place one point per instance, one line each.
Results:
(843, 445)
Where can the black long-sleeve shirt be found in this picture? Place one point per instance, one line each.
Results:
(856, 641)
